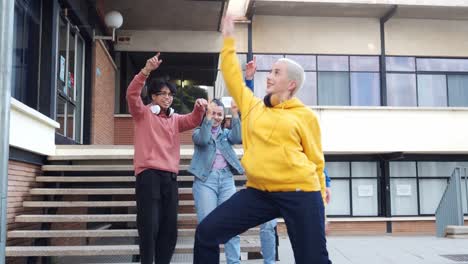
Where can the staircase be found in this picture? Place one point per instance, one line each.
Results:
(88, 210)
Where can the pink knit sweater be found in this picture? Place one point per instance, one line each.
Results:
(157, 139)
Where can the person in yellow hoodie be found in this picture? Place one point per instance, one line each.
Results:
(283, 162)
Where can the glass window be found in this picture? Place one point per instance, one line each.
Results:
(62, 56)
(70, 120)
(26, 44)
(308, 62)
(438, 169)
(340, 203)
(458, 90)
(71, 67)
(365, 89)
(260, 84)
(430, 193)
(264, 62)
(338, 169)
(333, 88)
(404, 64)
(61, 105)
(365, 63)
(365, 201)
(403, 196)
(401, 89)
(364, 169)
(443, 65)
(432, 90)
(333, 63)
(242, 60)
(403, 169)
(308, 92)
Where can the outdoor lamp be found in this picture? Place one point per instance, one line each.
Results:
(113, 20)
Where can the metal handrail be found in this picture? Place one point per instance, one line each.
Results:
(450, 209)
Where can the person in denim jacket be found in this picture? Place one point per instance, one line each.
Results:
(213, 164)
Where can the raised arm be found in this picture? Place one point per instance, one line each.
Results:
(231, 69)
(192, 120)
(250, 70)
(201, 135)
(235, 134)
(135, 104)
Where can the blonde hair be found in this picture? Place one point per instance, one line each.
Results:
(295, 73)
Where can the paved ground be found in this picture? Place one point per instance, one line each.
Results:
(350, 250)
(387, 250)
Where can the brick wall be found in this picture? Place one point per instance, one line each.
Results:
(21, 178)
(376, 228)
(357, 228)
(103, 94)
(414, 227)
(123, 127)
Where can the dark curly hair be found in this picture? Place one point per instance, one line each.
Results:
(155, 86)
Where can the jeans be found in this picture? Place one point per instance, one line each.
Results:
(303, 213)
(218, 187)
(268, 240)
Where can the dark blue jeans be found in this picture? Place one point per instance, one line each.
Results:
(303, 213)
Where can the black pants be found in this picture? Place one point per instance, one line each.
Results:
(303, 213)
(157, 199)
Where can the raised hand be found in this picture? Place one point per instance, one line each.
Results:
(228, 26)
(209, 111)
(152, 64)
(251, 69)
(200, 102)
(234, 109)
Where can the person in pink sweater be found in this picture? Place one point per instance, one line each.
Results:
(156, 162)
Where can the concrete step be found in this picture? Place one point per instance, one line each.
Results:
(101, 233)
(457, 236)
(108, 250)
(111, 152)
(73, 233)
(453, 231)
(97, 167)
(249, 261)
(85, 179)
(88, 218)
(48, 204)
(181, 178)
(92, 191)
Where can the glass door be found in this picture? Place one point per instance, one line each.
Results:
(70, 81)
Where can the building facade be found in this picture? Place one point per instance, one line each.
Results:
(388, 80)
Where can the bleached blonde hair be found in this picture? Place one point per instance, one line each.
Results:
(295, 73)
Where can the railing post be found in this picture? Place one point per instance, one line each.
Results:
(465, 177)
(6, 55)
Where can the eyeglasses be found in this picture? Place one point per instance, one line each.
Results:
(165, 94)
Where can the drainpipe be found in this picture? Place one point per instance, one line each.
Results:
(383, 99)
(249, 15)
(6, 56)
(383, 68)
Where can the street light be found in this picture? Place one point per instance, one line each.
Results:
(113, 20)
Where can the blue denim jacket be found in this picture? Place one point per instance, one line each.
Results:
(205, 148)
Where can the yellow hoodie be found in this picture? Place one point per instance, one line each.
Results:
(282, 144)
